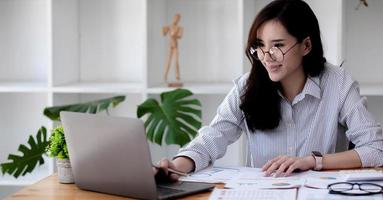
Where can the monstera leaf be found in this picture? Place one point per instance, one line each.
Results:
(175, 120)
(53, 113)
(32, 156)
(21, 165)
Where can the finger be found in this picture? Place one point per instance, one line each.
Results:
(270, 162)
(174, 177)
(282, 168)
(292, 167)
(275, 166)
(164, 164)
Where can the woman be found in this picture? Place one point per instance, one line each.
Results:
(293, 106)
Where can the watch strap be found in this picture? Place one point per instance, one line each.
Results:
(318, 157)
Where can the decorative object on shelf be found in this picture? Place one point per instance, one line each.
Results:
(57, 148)
(362, 2)
(174, 32)
(176, 120)
(26, 163)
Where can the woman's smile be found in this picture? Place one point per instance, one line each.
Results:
(273, 68)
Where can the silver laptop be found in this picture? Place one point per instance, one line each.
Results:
(111, 155)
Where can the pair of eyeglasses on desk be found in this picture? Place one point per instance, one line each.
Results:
(349, 188)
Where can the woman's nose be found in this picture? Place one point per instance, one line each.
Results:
(267, 57)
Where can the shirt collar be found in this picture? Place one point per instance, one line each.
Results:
(312, 87)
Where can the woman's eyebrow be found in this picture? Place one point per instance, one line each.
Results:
(278, 40)
(275, 40)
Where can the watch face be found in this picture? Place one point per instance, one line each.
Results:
(317, 154)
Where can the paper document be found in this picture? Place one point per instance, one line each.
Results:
(213, 175)
(320, 180)
(363, 176)
(274, 183)
(255, 178)
(259, 194)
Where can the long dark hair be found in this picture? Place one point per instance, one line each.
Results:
(260, 101)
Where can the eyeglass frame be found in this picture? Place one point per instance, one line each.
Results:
(332, 191)
(254, 50)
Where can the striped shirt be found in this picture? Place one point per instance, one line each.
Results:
(327, 112)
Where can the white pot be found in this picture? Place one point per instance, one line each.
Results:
(64, 171)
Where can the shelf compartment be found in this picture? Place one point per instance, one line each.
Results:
(22, 116)
(98, 40)
(211, 48)
(25, 40)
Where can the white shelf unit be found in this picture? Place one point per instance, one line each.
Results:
(57, 52)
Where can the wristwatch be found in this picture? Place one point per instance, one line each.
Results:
(318, 160)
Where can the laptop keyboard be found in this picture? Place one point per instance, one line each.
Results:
(167, 191)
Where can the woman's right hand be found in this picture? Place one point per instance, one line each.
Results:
(182, 164)
(163, 165)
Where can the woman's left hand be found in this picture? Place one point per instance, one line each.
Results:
(285, 165)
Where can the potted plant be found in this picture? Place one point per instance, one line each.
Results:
(174, 120)
(58, 149)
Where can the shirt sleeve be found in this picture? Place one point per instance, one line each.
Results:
(212, 140)
(362, 129)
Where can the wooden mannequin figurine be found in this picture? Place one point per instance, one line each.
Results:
(174, 33)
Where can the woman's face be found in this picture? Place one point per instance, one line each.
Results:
(273, 34)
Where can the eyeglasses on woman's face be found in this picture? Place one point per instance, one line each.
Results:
(276, 54)
(347, 188)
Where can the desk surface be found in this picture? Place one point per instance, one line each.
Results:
(50, 189)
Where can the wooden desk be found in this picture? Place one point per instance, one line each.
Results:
(50, 189)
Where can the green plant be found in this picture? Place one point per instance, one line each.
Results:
(175, 119)
(57, 146)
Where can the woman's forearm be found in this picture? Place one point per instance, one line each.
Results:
(343, 160)
(184, 164)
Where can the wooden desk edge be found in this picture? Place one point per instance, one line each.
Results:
(49, 188)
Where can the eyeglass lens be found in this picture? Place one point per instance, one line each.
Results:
(355, 188)
(275, 54)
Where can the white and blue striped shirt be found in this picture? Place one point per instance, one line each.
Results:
(327, 112)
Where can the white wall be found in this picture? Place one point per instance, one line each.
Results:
(364, 40)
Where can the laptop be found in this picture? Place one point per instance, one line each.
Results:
(111, 155)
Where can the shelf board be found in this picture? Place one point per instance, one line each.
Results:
(96, 87)
(371, 89)
(23, 86)
(196, 88)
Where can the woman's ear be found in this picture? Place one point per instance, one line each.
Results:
(307, 46)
